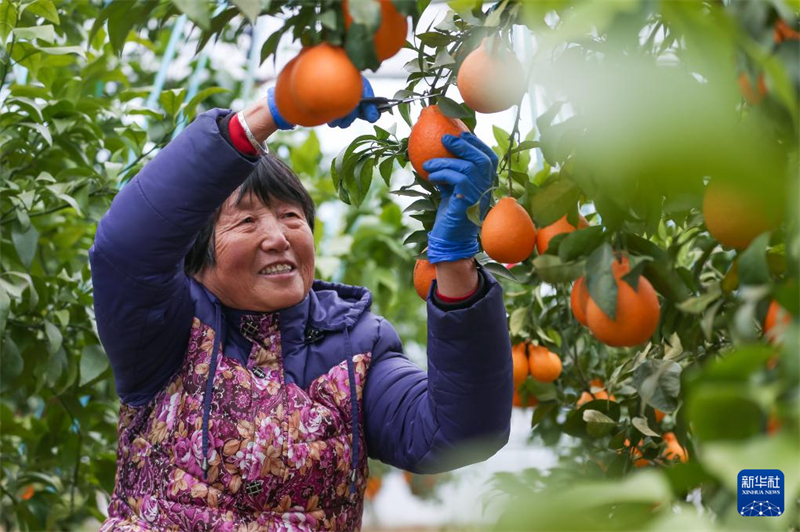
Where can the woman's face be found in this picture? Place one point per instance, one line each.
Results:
(252, 239)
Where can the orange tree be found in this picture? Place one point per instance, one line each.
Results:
(672, 127)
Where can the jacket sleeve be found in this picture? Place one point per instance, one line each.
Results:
(457, 413)
(141, 295)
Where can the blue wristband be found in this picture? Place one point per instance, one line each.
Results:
(440, 250)
(273, 109)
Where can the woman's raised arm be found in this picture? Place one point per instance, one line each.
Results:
(142, 302)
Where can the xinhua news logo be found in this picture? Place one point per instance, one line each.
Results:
(760, 492)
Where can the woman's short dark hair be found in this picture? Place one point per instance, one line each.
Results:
(270, 179)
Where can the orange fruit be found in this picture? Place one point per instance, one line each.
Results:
(578, 300)
(545, 366)
(545, 234)
(773, 424)
(783, 32)
(637, 315)
(598, 391)
(508, 234)
(425, 140)
(519, 356)
(391, 34)
(659, 415)
(674, 450)
(491, 81)
(284, 99)
(373, 487)
(746, 87)
(517, 401)
(776, 317)
(28, 493)
(424, 274)
(636, 454)
(324, 84)
(736, 213)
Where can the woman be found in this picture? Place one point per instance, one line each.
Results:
(251, 394)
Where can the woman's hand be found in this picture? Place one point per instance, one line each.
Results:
(368, 112)
(364, 111)
(463, 182)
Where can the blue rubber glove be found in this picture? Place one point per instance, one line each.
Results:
(276, 115)
(364, 111)
(368, 112)
(463, 182)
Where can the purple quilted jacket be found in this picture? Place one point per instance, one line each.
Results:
(239, 421)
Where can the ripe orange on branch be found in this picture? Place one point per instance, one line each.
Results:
(637, 316)
(674, 450)
(425, 140)
(545, 366)
(323, 86)
(777, 319)
(424, 274)
(736, 213)
(519, 357)
(578, 299)
(598, 393)
(491, 81)
(508, 234)
(391, 34)
(546, 234)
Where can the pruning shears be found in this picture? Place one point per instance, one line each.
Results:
(384, 104)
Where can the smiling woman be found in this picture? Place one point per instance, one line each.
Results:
(252, 395)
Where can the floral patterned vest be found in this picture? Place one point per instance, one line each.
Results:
(279, 457)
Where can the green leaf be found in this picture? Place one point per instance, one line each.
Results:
(46, 33)
(45, 9)
(740, 365)
(517, 320)
(8, 19)
(42, 129)
(452, 109)
(641, 425)
(191, 108)
(435, 39)
(753, 267)
(94, 363)
(365, 12)
(11, 365)
(171, 100)
(698, 305)
(552, 270)
(64, 50)
(498, 270)
(5, 305)
(196, 11)
(271, 44)
(249, 8)
(360, 48)
(494, 17)
(25, 242)
(553, 200)
(597, 423)
(386, 168)
(443, 59)
(580, 244)
(711, 407)
(474, 214)
(658, 383)
(544, 391)
(54, 338)
(600, 279)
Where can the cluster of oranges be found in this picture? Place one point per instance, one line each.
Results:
(303, 90)
(638, 310)
(535, 361)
